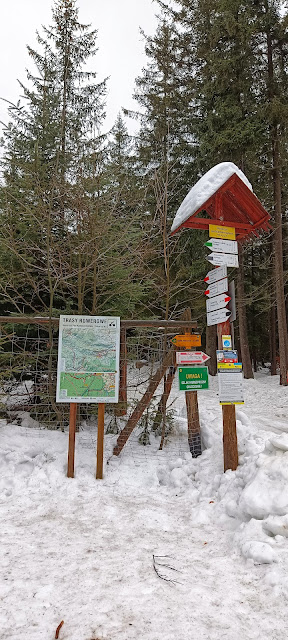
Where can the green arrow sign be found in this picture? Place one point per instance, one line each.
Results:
(193, 378)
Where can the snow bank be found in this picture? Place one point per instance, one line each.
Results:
(205, 188)
(81, 550)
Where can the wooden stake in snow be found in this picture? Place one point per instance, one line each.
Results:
(71, 445)
(100, 441)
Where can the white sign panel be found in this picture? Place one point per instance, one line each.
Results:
(230, 383)
(218, 302)
(191, 357)
(226, 246)
(217, 288)
(216, 274)
(88, 359)
(228, 259)
(216, 317)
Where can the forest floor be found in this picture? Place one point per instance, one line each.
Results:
(165, 547)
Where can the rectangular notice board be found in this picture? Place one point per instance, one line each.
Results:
(230, 383)
(88, 359)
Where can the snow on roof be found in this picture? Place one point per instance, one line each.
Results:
(205, 188)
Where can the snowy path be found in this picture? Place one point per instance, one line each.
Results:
(82, 551)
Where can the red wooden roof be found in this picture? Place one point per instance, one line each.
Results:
(232, 205)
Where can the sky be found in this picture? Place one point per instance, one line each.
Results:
(120, 46)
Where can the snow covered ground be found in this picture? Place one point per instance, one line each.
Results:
(81, 550)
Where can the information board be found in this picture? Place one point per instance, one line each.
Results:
(88, 359)
(230, 383)
(193, 378)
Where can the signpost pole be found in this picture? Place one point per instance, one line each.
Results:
(194, 434)
(71, 444)
(230, 448)
(193, 422)
(100, 441)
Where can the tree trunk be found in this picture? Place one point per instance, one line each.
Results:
(278, 241)
(243, 334)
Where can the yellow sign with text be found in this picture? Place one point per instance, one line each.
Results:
(225, 233)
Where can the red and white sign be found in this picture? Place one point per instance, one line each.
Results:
(216, 274)
(217, 288)
(218, 302)
(191, 357)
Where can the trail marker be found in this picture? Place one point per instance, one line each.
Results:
(187, 340)
(193, 378)
(218, 287)
(229, 259)
(217, 317)
(226, 246)
(191, 357)
(216, 274)
(217, 231)
(226, 342)
(218, 302)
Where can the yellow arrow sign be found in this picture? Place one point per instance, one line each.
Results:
(187, 340)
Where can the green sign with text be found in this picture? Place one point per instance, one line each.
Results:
(193, 378)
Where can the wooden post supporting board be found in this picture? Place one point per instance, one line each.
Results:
(100, 441)
(71, 445)
(230, 447)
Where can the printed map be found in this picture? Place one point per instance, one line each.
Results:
(88, 359)
(89, 350)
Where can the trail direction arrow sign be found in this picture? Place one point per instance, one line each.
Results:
(216, 317)
(191, 357)
(229, 259)
(218, 287)
(218, 302)
(216, 274)
(187, 340)
(226, 246)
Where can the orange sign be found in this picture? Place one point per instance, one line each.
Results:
(187, 340)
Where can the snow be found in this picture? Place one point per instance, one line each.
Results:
(205, 188)
(81, 550)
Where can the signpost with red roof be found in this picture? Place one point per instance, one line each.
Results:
(235, 214)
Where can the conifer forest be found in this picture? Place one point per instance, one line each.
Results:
(86, 213)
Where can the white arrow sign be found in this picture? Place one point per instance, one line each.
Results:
(216, 274)
(226, 246)
(217, 288)
(223, 258)
(191, 357)
(216, 317)
(218, 302)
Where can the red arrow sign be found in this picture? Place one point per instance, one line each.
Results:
(191, 357)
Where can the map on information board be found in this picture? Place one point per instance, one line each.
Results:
(88, 359)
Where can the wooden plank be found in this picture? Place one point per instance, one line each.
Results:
(71, 444)
(141, 406)
(100, 441)
(157, 324)
(121, 407)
